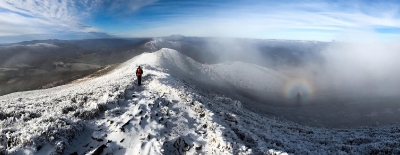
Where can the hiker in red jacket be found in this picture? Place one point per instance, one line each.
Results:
(139, 73)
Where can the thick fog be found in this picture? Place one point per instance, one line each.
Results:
(340, 69)
(231, 49)
(363, 69)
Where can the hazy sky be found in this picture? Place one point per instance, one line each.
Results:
(324, 20)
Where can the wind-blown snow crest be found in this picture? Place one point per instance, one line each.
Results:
(167, 115)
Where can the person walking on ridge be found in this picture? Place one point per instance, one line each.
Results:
(139, 73)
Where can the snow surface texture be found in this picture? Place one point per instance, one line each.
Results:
(166, 115)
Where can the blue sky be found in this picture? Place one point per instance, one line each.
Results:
(323, 20)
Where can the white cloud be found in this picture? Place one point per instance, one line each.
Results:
(321, 21)
(20, 17)
(38, 17)
(15, 24)
(130, 5)
(62, 10)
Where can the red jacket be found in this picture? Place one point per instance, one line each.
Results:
(139, 72)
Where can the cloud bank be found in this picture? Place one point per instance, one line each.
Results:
(367, 69)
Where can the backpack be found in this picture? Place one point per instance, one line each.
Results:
(139, 72)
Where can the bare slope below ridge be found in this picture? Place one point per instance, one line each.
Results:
(167, 115)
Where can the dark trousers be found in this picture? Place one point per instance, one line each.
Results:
(139, 79)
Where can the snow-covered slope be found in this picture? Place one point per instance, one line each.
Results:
(167, 115)
(238, 74)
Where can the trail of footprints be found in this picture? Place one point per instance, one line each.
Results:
(148, 110)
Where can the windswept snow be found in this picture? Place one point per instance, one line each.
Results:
(167, 115)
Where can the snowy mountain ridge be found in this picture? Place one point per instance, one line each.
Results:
(167, 115)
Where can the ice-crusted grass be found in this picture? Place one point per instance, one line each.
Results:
(32, 119)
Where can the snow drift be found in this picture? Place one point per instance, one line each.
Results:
(167, 115)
